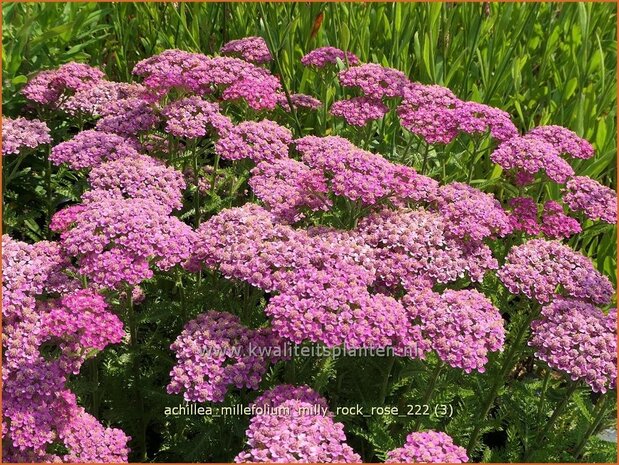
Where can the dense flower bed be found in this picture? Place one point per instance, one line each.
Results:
(348, 246)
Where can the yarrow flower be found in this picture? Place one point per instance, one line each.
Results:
(471, 213)
(215, 351)
(598, 202)
(429, 112)
(281, 393)
(473, 117)
(47, 87)
(538, 267)
(93, 100)
(428, 447)
(462, 326)
(139, 177)
(556, 224)
(288, 187)
(530, 155)
(375, 80)
(564, 140)
(252, 49)
(114, 242)
(90, 148)
(579, 339)
(296, 432)
(169, 69)
(523, 216)
(259, 90)
(259, 141)
(193, 117)
(359, 111)
(128, 117)
(324, 56)
(299, 101)
(20, 133)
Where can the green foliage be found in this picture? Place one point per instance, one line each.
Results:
(545, 63)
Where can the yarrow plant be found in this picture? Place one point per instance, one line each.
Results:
(216, 237)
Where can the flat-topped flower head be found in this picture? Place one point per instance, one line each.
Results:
(375, 80)
(257, 88)
(531, 155)
(523, 215)
(215, 351)
(324, 56)
(596, 201)
(93, 100)
(257, 140)
(542, 270)
(564, 140)
(476, 118)
(296, 433)
(21, 134)
(462, 326)
(276, 396)
(252, 49)
(299, 101)
(428, 447)
(90, 148)
(579, 339)
(359, 111)
(48, 87)
(193, 117)
(556, 224)
(139, 177)
(128, 117)
(169, 69)
(429, 112)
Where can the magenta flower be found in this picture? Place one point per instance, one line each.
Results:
(523, 216)
(359, 111)
(258, 89)
(375, 80)
(169, 69)
(128, 117)
(556, 224)
(428, 447)
(580, 340)
(473, 117)
(259, 141)
(252, 49)
(299, 101)
(598, 202)
(538, 267)
(564, 140)
(95, 99)
(90, 148)
(47, 87)
(193, 117)
(215, 351)
(324, 56)
(530, 155)
(20, 133)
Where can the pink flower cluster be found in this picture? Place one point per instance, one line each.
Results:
(276, 396)
(193, 117)
(579, 339)
(374, 80)
(38, 409)
(428, 447)
(48, 87)
(93, 100)
(556, 224)
(128, 117)
(295, 432)
(323, 56)
(252, 49)
(258, 141)
(299, 101)
(598, 202)
(358, 111)
(114, 242)
(90, 148)
(20, 133)
(564, 140)
(542, 269)
(216, 351)
(461, 326)
(523, 216)
(139, 177)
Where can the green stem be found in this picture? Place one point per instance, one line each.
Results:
(94, 377)
(602, 408)
(383, 391)
(48, 189)
(214, 175)
(425, 158)
(196, 195)
(429, 391)
(499, 379)
(558, 411)
(140, 446)
(542, 397)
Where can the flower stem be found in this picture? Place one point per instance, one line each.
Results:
(48, 190)
(499, 379)
(558, 411)
(542, 397)
(602, 408)
(140, 440)
(429, 391)
(196, 195)
(425, 158)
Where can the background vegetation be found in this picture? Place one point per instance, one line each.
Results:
(543, 63)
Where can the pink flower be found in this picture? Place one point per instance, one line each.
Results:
(19, 134)
(252, 49)
(428, 447)
(556, 224)
(359, 111)
(258, 141)
(375, 80)
(47, 87)
(564, 140)
(598, 202)
(193, 117)
(523, 216)
(324, 56)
